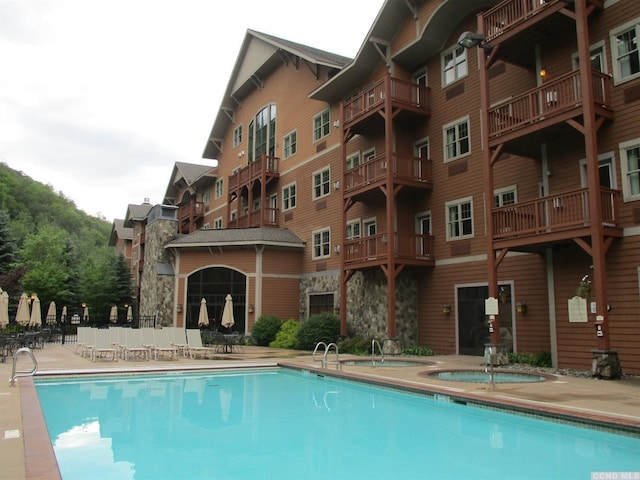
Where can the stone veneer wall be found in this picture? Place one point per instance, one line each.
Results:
(156, 291)
(367, 302)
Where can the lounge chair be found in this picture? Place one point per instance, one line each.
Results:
(88, 341)
(103, 347)
(195, 347)
(148, 338)
(178, 338)
(81, 342)
(133, 345)
(162, 346)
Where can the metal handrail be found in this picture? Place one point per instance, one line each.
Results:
(375, 342)
(15, 374)
(335, 362)
(323, 359)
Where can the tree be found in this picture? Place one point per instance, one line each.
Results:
(7, 245)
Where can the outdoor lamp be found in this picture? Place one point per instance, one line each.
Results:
(521, 307)
(470, 39)
(446, 309)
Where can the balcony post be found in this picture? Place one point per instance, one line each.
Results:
(343, 251)
(390, 193)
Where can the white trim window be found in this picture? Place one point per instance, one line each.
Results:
(606, 171)
(597, 56)
(321, 183)
(289, 197)
(625, 54)
(505, 196)
(206, 197)
(290, 143)
(237, 135)
(459, 218)
(321, 125)
(217, 223)
(454, 65)
(219, 188)
(456, 139)
(354, 229)
(321, 243)
(630, 167)
(353, 161)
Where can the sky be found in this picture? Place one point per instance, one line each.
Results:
(100, 98)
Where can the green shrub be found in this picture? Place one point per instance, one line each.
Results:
(540, 359)
(286, 337)
(321, 327)
(265, 329)
(418, 350)
(355, 346)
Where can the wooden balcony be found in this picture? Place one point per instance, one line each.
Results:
(191, 211)
(553, 103)
(407, 96)
(265, 168)
(406, 170)
(266, 217)
(553, 218)
(372, 251)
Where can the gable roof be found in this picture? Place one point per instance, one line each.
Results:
(119, 231)
(281, 237)
(136, 213)
(186, 175)
(431, 40)
(260, 54)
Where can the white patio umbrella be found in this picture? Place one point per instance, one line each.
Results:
(227, 313)
(63, 315)
(51, 314)
(85, 314)
(4, 309)
(203, 317)
(22, 315)
(129, 314)
(113, 315)
(36, 312)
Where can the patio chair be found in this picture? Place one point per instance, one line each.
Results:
(195, 347)
(133, 345)
(88, 341)
(103, 347)
(162, 346)
(148, 337)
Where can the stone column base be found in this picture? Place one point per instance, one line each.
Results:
(495, 354)
(391, 346)
(605, 364)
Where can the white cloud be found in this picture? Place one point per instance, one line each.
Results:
(99, 98)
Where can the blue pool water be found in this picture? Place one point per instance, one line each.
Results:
(282, 424)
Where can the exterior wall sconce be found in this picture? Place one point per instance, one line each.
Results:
(471, 39)
(446, 309)
(179, 309)
(251, 308)
(521, 307)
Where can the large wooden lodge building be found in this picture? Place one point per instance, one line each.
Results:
(472, 149)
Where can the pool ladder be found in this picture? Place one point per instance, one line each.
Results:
(325, 357)
(375, 342)
(30, 373)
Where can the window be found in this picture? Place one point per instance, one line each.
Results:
(321, 126)
(219, 188)
(456, 140)
(217, 223)
(353, 160)
(321, 243)
(237, 135)
(423, 223)
(459, 219)
(320, 302)
(597, 56)
(624, 52)
(289, 197)
(368, 156)
(206, 197)
(630, 166)
(420, 78)
(321, 184)
(290, 144)
(353, 229)
(262, 134)
(606, 171)
(454, 65)
(504, 196)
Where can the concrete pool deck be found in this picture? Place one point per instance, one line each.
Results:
(26, 452)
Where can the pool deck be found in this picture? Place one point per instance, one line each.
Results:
(26, 452)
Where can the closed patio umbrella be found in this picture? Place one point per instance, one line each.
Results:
(85, 314)
(51, 314)
(129, 314)
(113, 316)
(63, 315)
(203, 317)
(36, 312)
(22, 314)
(4, 309)
(227, 313)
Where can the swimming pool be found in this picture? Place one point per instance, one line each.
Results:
(286, 424)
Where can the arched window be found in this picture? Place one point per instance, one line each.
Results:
(262, 133)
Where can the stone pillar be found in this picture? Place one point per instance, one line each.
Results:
(605, 364)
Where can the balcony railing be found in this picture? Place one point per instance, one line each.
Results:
(553, 98)
(253, 219)
(404, 167)
(265, 164)
(192, 209)
(408, 246)
(509, 13)
(402, 92)
(553, 213)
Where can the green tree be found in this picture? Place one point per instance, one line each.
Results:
(7, 244)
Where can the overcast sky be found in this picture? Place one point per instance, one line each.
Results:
(99, 98)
